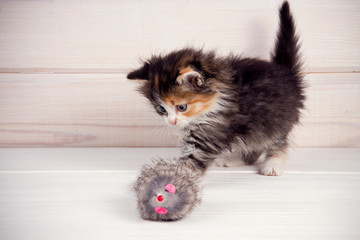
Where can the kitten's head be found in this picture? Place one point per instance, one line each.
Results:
(179, 85)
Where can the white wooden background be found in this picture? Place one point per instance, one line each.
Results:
(63, 65)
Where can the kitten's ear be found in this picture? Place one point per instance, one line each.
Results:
(141, 73)
(190, 78)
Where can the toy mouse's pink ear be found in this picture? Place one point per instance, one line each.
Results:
(171, 188)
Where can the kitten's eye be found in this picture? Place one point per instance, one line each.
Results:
(161, 109)
(182, 108)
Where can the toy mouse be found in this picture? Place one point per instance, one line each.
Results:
(167, 190)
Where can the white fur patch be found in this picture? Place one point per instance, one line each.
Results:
(272, 167)
(229, 162)
(173, 115)
(231, 158)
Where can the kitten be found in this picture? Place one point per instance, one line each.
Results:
(230, 107)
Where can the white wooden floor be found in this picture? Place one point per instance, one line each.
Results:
(86, 194)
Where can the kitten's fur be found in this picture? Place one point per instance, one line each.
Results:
(235, 105)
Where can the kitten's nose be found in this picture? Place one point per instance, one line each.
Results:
(173, 122)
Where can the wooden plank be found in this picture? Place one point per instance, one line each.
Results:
(331, 117)
(301, 160)
(70, 36)
(95, 205)
(99, 110)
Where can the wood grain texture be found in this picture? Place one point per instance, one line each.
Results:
(81, 51)
(45, 35)
(301, 160)
(97, 110)
(84, 203)
(332, 116)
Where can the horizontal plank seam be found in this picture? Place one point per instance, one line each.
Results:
(294, 172)
(135, 172)
(107, 71)
(140, 125)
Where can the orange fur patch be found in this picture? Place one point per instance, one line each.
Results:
(185, 70)
(156, 81)
(197, 102)
(281, 155)
(200, 105)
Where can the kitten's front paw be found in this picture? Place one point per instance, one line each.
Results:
(272, 167)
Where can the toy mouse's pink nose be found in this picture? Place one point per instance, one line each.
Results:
(161, 210)
(171, 188)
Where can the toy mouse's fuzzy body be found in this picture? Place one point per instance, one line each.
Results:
(230, 107)
(167, 190)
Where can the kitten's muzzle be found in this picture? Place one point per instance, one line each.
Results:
(172, 122)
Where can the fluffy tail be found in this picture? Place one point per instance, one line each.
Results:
(287, 47)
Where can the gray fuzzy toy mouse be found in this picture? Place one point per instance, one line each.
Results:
(167, 190)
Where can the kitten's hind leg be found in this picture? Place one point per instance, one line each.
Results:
(273, 163)
(229, 159)
(237, 159)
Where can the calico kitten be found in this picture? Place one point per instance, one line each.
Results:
(230, 107)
